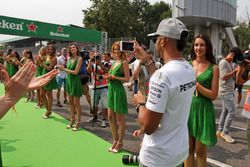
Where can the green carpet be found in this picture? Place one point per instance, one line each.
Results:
(28, 140)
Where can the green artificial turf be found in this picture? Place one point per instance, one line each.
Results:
(28, 140)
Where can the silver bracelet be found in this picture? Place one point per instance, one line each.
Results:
(147, 64)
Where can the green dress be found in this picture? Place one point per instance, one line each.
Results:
(73, 82)
(13, 69)
(201, 122)
(52, 84)
(39, 70)
(8, 67)
(117, 99)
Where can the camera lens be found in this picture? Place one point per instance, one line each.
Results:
(130, 159)
(97, 57)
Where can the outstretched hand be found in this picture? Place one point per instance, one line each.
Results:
(24, 80)
(21, 82)
(18, 84)
(37, 82)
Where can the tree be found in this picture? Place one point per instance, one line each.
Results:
(125, 18)
(113, 16)
(153, 15)
(241, 33)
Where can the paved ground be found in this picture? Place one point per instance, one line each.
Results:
(222, 154)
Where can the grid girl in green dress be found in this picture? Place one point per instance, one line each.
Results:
(73, 86)
(39, 70)
(117, 99)
(27, 57)
(48, 65)
(8, 60)
(14, 63)
(201, 122)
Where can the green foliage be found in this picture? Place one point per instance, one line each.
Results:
(187, 50)
(126, 18)
(242, 34)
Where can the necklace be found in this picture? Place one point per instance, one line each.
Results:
(179, 58)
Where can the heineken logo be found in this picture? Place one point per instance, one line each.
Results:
(11, 26)
(32, 27)
(59, 33)
(60, 29)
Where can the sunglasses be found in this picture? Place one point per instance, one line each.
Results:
(154, 39)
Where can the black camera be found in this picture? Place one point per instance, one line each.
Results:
(84, 54)
(126, 46)
(96, 58)
(130, 159)
(1, 60)
(240, 59)
(99, 77)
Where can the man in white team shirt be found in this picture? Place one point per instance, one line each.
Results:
(163, 118)
(61, 77)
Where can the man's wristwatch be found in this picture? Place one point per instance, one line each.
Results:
(139, 105)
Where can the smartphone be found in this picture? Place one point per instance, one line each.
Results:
(126, 46)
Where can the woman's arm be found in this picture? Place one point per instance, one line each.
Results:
(126, 73)
(135, 74)
(77, 69)
(239, 78)
(52, 64)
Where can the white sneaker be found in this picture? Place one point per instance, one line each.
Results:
(104, 123)
(237, 106)
(227, 138)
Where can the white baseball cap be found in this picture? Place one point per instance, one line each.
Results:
(171, 28)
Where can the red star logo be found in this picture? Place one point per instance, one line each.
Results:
(32, 27)
(60, 29)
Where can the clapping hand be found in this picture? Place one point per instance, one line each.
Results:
(24, 80)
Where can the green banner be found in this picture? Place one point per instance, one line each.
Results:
(30, 28)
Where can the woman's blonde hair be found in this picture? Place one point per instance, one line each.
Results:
(123, 54)
(40, 50)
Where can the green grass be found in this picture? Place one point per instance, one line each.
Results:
(28, 140)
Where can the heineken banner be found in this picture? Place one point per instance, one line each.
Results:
(30, 28)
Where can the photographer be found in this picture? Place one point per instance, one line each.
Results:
(164, 116)
(85, 76)
(100, 85)
(241, 78)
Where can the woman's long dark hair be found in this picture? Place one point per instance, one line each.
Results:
(77, 52)
(209, 49)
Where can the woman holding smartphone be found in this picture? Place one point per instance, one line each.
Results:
(117, 99)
